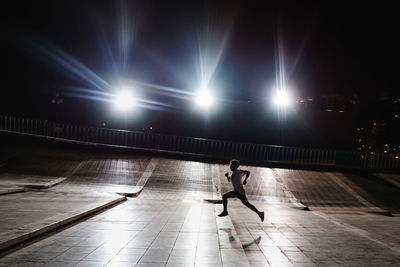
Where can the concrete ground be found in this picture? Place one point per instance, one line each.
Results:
(172, 219)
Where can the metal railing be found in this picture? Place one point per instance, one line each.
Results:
(381, 160)
(198, 146)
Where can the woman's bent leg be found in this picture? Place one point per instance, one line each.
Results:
(225, 199)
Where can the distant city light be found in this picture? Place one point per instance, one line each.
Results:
(281, 98)
(124, 100)
(205, 98)
(304, 100)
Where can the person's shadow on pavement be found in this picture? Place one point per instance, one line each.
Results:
(255, 241)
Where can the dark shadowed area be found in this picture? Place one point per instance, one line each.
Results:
(64, 60)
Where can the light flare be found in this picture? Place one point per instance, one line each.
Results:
(124, 100)
(282, 98)
(204, 99)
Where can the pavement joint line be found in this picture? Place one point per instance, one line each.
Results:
(143, 179)
(356, 230)
(12, 190)
(354, 194)
(225, 223)
(292, 198)
(47, 185)
(28, 236)
(26, 187)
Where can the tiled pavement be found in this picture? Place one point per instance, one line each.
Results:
(334, 189)
(28, 214)
(165, 228)
(145, 231)
(292, 237)
(316, 188)
(170, 224)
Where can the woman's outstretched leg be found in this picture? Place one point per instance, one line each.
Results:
(252, 207)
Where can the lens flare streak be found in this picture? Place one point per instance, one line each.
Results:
(72, 65)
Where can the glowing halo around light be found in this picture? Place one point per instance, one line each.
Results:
(282, 98)
(124, 100)
(205, 99)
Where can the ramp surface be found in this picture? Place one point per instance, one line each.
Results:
(169, 223)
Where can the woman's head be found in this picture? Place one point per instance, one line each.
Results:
(234, 164)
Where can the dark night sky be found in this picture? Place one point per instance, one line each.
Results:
(329, 47)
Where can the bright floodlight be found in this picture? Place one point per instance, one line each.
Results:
(204, 99)
(124, 100)
(282, 98)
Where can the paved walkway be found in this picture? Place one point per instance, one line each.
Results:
(171, 223)
(28, 214)
(292, 237)
(165, 228)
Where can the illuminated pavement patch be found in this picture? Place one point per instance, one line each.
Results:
(292, 237)
(30, 214)
(171, 224)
